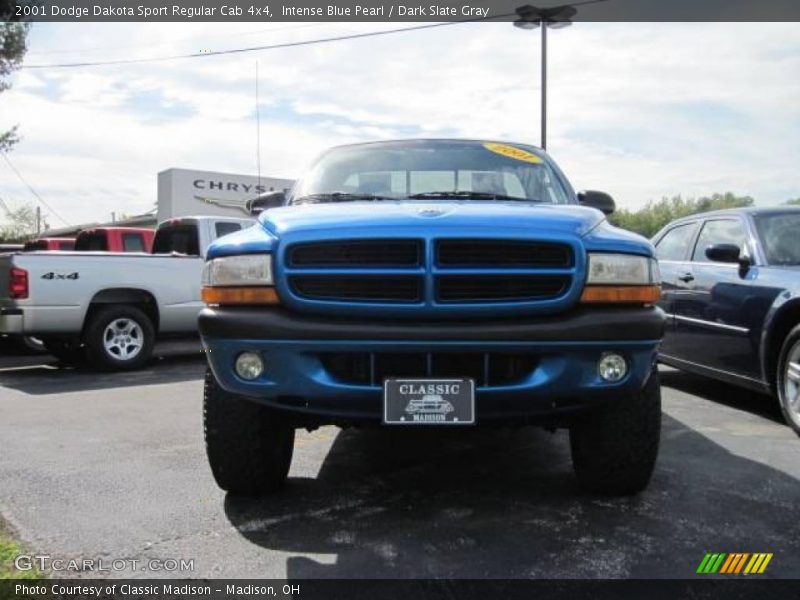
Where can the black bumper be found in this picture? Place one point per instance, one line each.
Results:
(581, 325)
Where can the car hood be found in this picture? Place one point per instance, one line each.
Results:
(466, 218)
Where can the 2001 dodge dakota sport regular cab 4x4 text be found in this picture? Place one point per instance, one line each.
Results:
(433, 283)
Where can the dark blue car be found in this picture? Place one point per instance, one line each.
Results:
(731, 290)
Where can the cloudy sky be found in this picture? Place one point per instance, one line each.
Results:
(637, 110)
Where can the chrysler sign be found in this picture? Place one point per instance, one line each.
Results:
(184, 192)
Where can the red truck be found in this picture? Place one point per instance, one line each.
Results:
(115, 239)
(49, 243)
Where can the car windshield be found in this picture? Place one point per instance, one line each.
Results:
(778, 233)
(431, 170)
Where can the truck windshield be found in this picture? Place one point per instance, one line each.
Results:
(431, 170)
(778, 233)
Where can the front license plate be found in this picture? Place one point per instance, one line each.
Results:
(429, 402)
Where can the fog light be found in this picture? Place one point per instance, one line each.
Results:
(612, 367)
(249, 365)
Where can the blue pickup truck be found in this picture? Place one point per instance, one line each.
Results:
(433, 283)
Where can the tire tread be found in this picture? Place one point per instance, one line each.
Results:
(249, 446)
(614, 451)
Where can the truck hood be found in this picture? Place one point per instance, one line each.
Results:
(440, 216)
(514, 219)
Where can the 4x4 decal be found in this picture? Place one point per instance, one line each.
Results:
(54, 275)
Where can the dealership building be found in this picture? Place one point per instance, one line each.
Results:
(185, 192)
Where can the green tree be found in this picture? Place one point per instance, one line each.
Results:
(649, 220)
(793, 202)
(20, 224)
(13, 36)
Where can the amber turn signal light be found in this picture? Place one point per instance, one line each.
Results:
(239, 295)
(625, 294)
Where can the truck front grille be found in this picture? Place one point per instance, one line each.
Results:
(357, 253)
(357, 288)
(488, 369)
(431, 275)
(498, 288)
(501, 253)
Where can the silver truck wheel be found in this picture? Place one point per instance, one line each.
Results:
(119, 337)
(788, 380)
(123, 338)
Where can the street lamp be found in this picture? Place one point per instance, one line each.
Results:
(557, 17)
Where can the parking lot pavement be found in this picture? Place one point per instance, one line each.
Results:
(112, 466)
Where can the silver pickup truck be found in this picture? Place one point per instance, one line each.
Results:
(110, 307)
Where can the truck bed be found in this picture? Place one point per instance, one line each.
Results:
(63, 285)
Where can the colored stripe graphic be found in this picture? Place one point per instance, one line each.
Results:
(736, 562)
(711, 563)
(733, 563)
(758, 563)
(727, 564)
(701, 568)
(765, 563)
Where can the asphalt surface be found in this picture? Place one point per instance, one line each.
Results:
(112, 466)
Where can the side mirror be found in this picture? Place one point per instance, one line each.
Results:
(266, 200)
(725, 253)
(599, 200)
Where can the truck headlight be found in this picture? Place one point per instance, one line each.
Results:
(245, 279)
(622, 278)
(622, 269)
(248, 269)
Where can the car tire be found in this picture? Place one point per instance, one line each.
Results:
(787, 384)
(614, 451)
(249, 446)
(119, 337)
(68, 352)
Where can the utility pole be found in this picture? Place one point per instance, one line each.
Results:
(544, 87)
(530, 17)
(38, 220)
(258, 129)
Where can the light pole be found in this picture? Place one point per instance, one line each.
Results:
(557, 17)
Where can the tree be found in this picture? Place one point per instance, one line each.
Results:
(13, 36)
(793, 202)
(649, 220)
(21, 224)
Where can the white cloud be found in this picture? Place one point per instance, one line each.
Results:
(640, 110)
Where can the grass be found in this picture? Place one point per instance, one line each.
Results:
(9, 550)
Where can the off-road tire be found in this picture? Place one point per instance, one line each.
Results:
(780, 378)
(249, 446)
(68, 352)
(96, 352)
(614, 450)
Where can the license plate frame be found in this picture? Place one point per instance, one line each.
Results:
(428, 401)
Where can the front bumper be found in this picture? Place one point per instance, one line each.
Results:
(563, 379)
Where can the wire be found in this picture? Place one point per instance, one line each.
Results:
(33, 191)
(185, 39)
(338, 38)
(5, 207)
